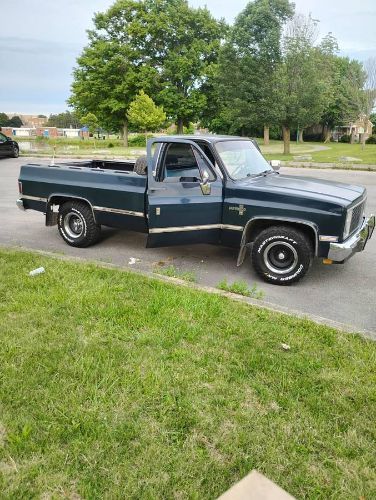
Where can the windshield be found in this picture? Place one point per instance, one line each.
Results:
(242, 159)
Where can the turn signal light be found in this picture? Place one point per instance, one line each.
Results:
(327, 261)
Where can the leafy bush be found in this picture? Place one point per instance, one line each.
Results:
(345, 138)
(371, 139)
(138, 140)
(110, 145)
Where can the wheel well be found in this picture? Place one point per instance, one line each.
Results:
(51, 216)
(254, 228)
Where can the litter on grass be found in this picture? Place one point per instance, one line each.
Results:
(132, 261)
(39, 270)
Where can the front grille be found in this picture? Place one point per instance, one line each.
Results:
(357, 216)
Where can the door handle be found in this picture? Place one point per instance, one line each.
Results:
(157, 189)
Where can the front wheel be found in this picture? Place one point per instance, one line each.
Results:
(77, 225)
(281, 255)
(15, 152)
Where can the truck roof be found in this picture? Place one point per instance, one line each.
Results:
(211, 137)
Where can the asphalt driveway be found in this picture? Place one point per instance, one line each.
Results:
(344, 293)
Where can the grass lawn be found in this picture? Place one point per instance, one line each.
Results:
(332, 154)
(89, 148)
(113, 385)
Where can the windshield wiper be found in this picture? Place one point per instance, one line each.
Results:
(265, 173)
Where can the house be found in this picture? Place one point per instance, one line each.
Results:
(358, 128)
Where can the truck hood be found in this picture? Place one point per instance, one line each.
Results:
(307, 187)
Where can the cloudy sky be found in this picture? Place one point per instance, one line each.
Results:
(39, 42)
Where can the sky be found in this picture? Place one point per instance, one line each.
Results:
(40, 41)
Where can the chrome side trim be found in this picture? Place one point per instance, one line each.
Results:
(119, 211)
(324, 237)
(158, 230)
(35, 198)
(232, 228)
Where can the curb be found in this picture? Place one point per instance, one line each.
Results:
(261, 304)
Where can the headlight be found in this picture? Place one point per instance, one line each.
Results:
(347, 223)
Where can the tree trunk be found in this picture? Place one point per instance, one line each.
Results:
(352, 136)
(301, 136)
(266, 135)
(286, 140)
(180, 126)
(364, 135)
(125, 134)
(326, 134)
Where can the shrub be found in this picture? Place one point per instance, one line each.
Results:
(345, 138)
(138, 140)
(110, 145)
(371, 139)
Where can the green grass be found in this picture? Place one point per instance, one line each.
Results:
(241, 288)
(175, 273)
(71, 147)
(113, 385)
(332, 154)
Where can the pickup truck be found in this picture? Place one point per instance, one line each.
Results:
(205, 189)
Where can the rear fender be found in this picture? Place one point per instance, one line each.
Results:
(58, 199)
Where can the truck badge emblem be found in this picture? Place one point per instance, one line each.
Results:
(241, 209)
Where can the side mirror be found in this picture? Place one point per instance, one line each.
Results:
(275, 164)
(205, 184)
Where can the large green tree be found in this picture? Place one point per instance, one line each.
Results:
(247, 67)
(163, 47)
(303, 79)
(347, 79)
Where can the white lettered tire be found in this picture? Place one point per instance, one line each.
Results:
(281, 255)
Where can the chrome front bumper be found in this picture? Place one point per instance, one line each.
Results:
(339, 252)
(20, 204)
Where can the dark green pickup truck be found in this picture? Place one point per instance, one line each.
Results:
(204, 189)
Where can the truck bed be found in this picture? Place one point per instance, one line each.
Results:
(115, 193)
(115, 165)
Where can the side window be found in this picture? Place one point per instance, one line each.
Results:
(3, 137)
(179, 164)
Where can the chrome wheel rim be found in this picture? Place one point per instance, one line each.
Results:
(280, 257)
(73, 225)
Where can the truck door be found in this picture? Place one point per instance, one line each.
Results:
(185, 195)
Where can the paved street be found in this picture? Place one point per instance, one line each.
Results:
(344, 293)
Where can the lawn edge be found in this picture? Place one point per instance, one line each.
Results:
(261, 304)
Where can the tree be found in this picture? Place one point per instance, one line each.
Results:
(144, 114)
(369, 91)
(304, 84)
(3, 120)
(190, 40)
(347, 80)
(15, 121)
(163, 47)
(247, 66)
(67, 119)
(91, 122)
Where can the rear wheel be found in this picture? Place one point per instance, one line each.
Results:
(281, 255)
(15, 152)
(77, 225)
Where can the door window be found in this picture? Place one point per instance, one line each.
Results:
(3, 137)
(179, 164)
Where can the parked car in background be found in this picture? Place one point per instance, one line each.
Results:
(8, 147)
